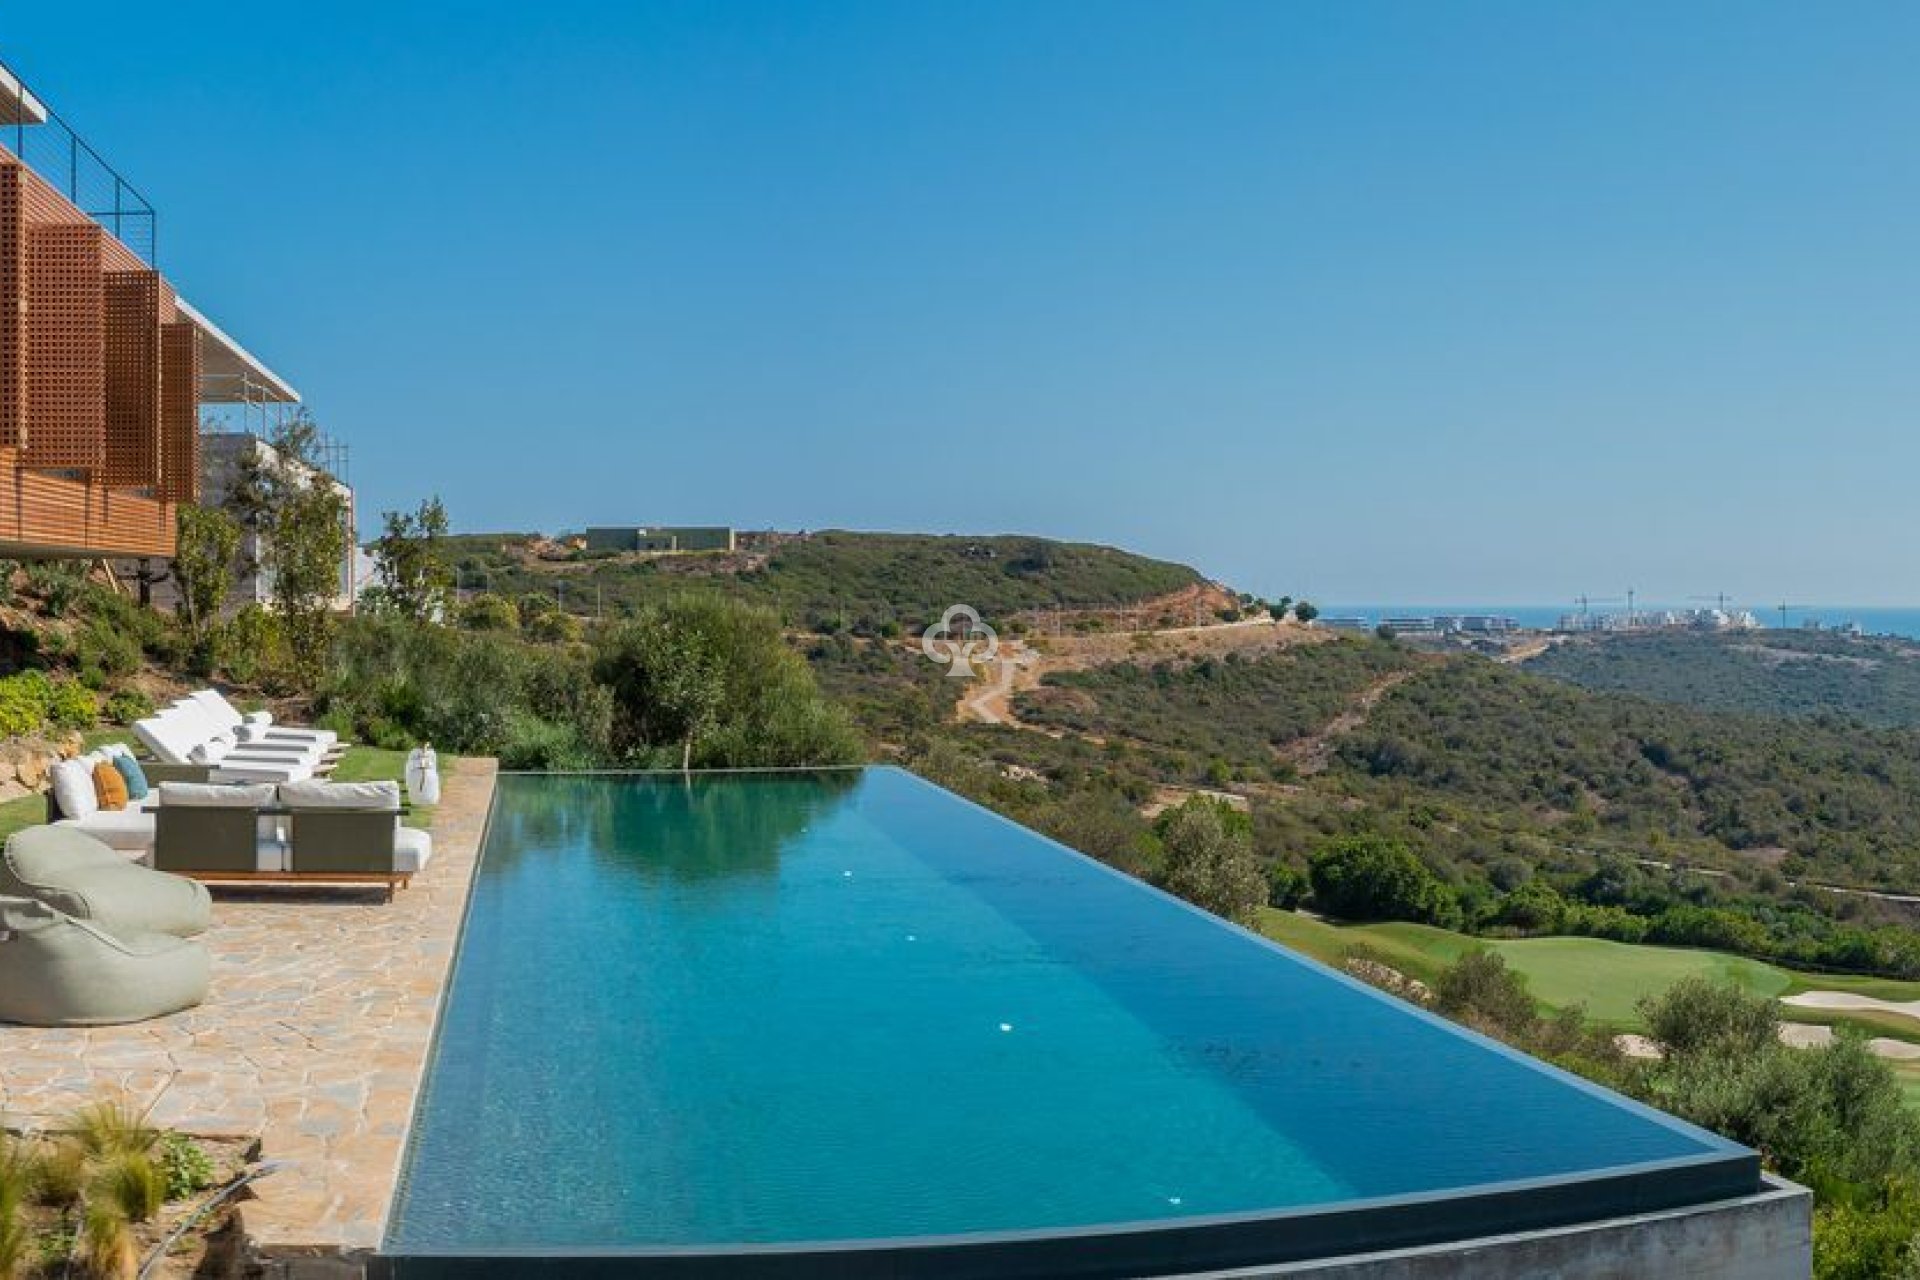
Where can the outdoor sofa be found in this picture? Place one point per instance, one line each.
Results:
(73, 803)
(314, 832)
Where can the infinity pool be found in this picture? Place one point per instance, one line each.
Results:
(781, 1017)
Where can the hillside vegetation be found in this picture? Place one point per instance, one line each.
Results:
(836, 580)
(1874, 680)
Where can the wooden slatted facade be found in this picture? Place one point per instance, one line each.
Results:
(43, 514)
(179, 411)
(99, 385)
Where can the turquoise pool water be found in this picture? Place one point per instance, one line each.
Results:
(779, 1008)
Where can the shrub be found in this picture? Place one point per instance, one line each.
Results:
(249, 646)
(711, 682)
(184, 1166)
(1694, 1015)
(1533, 907)
(127, 704)
(56, 583)
(1371, 878)
(1479, 989)
(103, 653)
(488, 612)
(1286, 886)
(1209, 860)
(73, 706)
(24, 702)
(553, 627)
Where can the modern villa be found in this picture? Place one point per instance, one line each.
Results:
(767, 1023)
(104, 366)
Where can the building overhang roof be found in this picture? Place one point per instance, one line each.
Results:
(229, 373)
(17, 103)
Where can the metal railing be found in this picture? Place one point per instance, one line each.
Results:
(36, 134)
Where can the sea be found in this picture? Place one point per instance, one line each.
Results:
(1884, 620)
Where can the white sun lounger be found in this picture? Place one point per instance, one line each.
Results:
(178, 738)
(257, 727)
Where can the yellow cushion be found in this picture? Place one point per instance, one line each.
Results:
(109, 786)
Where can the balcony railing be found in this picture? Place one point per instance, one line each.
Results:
(49, 146)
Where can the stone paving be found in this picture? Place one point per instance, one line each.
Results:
(314, 1037)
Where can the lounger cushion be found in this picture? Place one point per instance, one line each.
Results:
(212, 751)
(316, 794)
(253, 727)
(56, 971)
(73, 788)
(412, 850)
(213, 795)
(81, 876)
(168, 736)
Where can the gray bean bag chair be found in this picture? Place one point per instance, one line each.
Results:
(74, 873)
(56, 971)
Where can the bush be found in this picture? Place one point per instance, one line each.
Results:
(127, 704)
(712, 681)
(1371, 878)
(103, 654)
(1208, 850)
(73, 706)
(26, 700)
(249, 646)
(488, 612)
(1480, 990)
(58, 584)
(552, 627)
(1695, 1015)
(183, 1165)
(1534, 907)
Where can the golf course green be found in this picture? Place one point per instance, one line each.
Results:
(1609, 978)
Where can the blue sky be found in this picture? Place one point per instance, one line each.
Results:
(1363, 301)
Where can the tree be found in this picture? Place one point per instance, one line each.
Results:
(1535, 907)
(409, 557)
(1209, 860)
(1306, 611)
(1480, 990)
(1696, 1015)
(713, 681)
(1372, 878)
(1280, 607)
(205, 546)
(299, 516)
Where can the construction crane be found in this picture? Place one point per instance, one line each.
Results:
(1783, 612)
(1584, 601)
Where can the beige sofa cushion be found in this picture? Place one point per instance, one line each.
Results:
(316, 794)
(214, 795)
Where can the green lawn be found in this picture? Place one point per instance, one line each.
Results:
(1609, 978)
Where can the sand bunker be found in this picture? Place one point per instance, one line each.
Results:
(1847, 1000)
